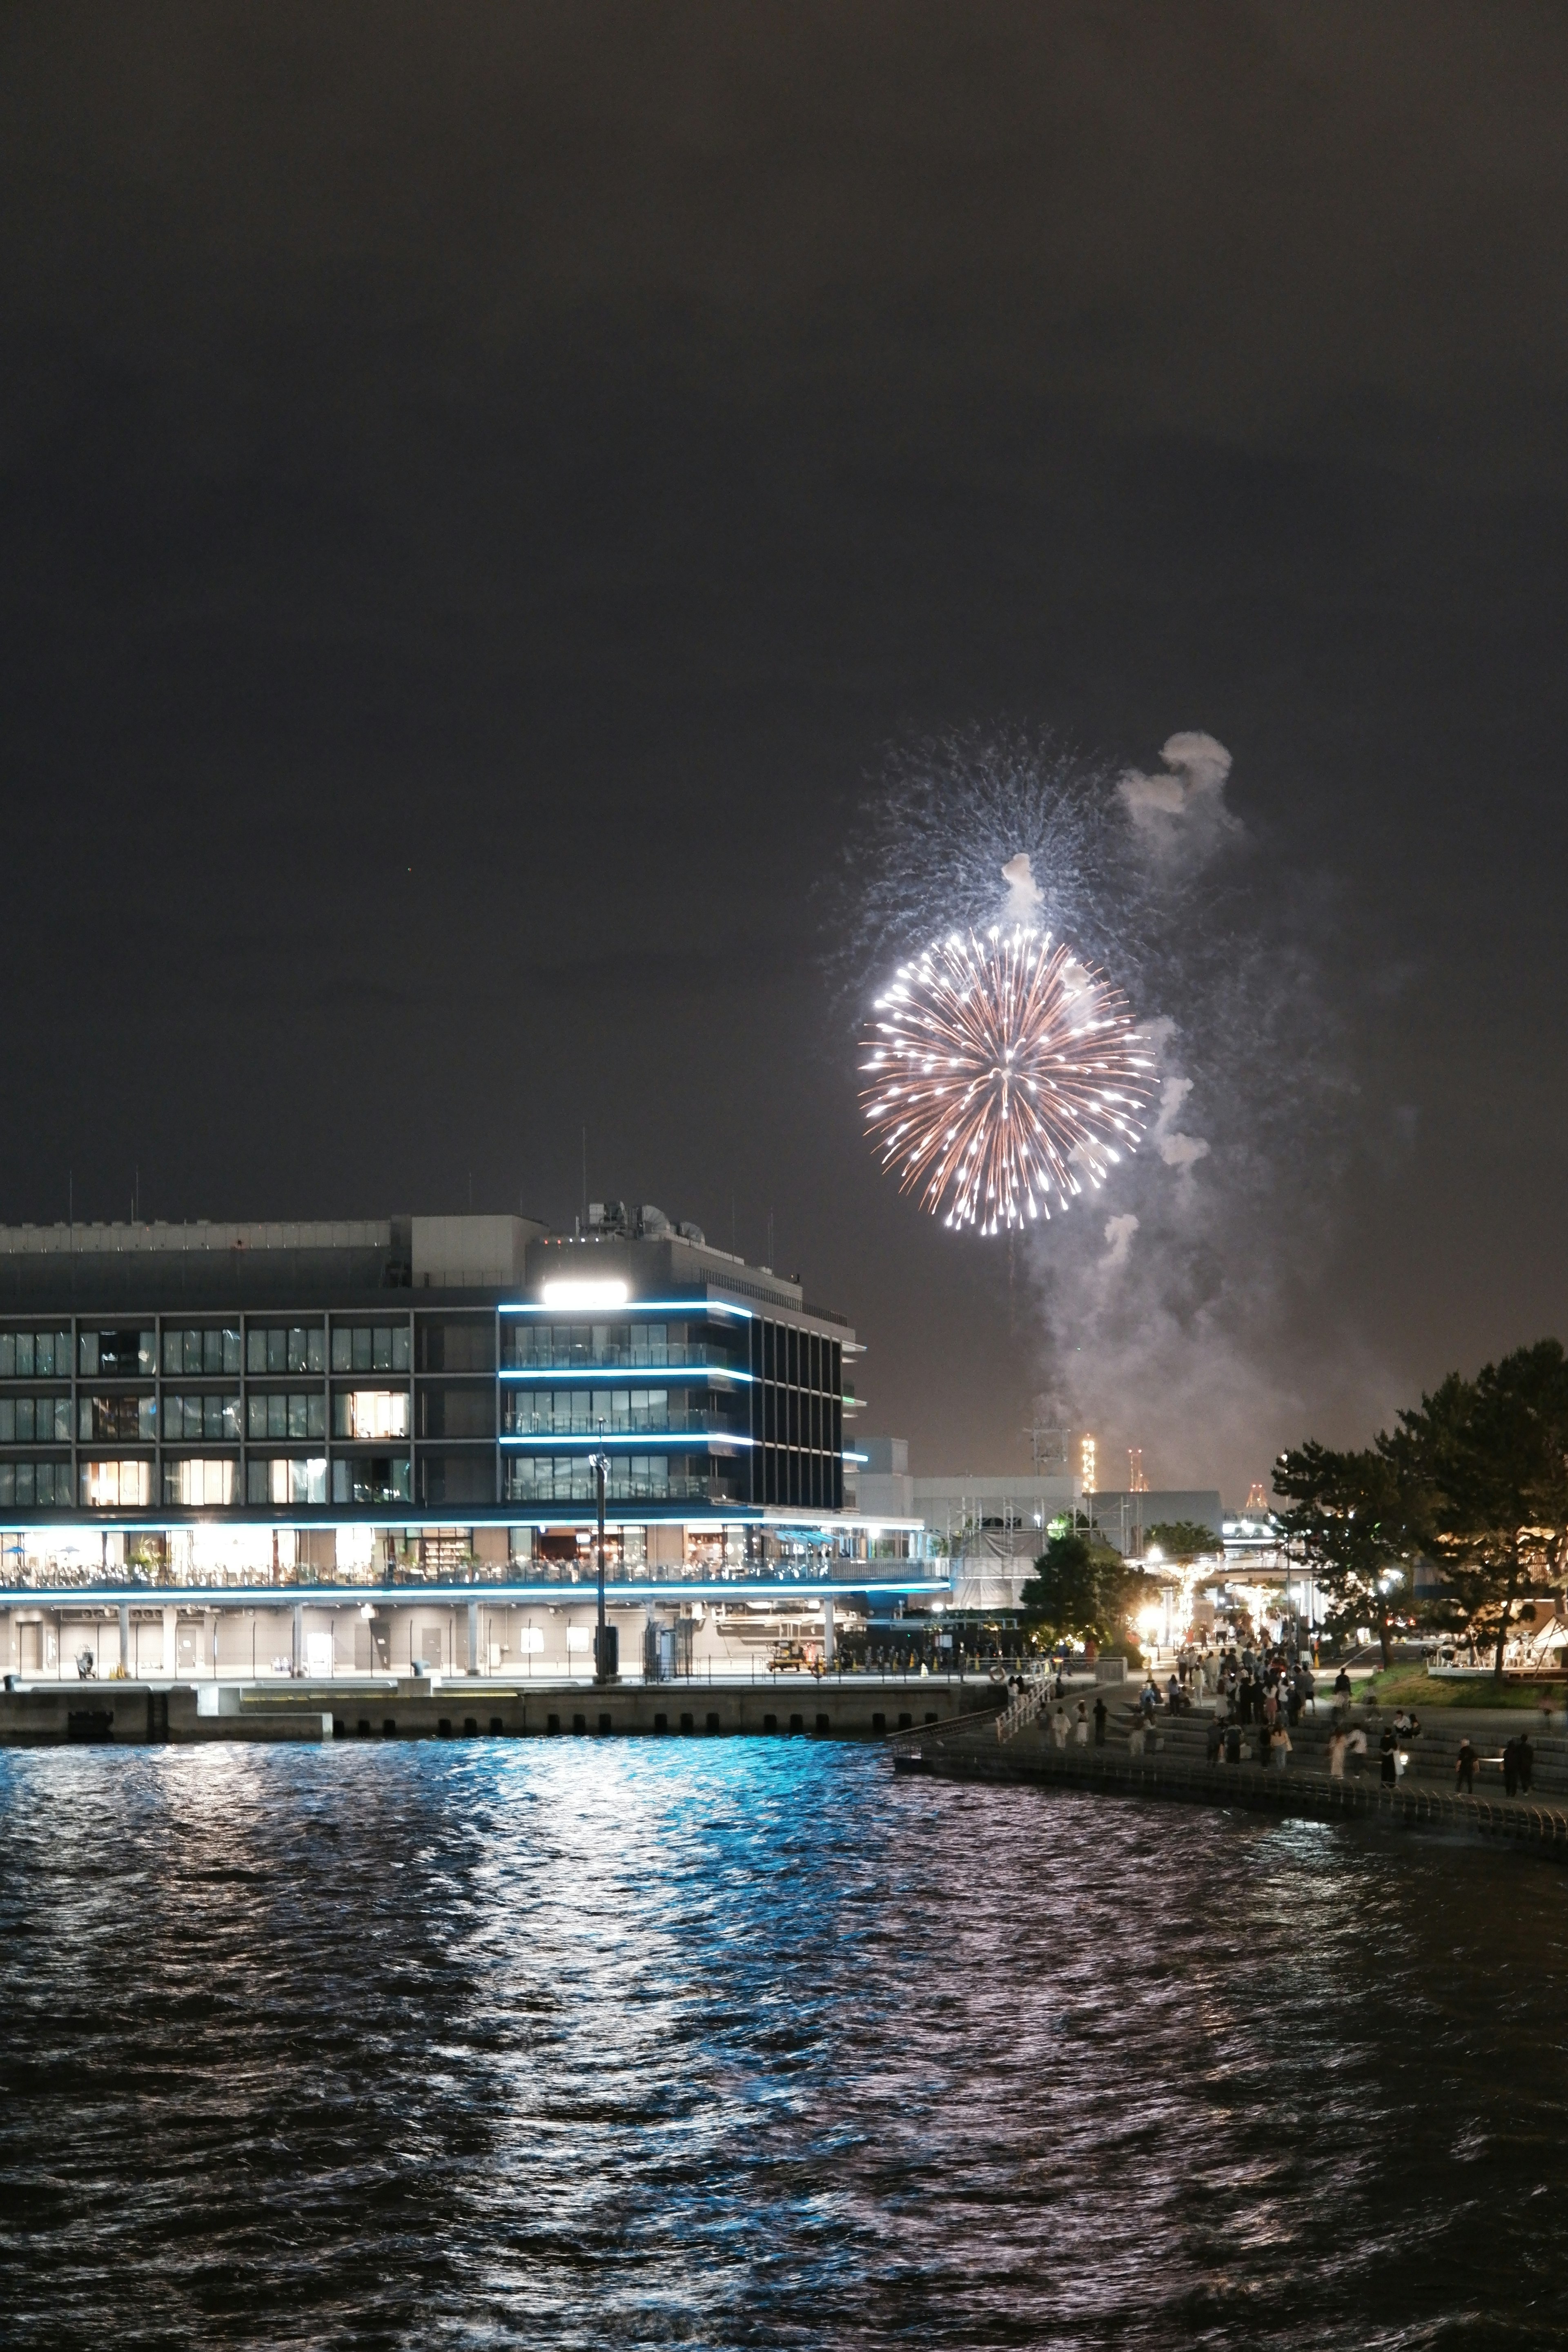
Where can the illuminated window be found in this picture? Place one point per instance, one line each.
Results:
(371, 1414)
(117, 1486)
(202, 1484)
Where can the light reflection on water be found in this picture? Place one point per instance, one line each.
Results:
(746, 2042)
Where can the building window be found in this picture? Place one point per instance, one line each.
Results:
(35, 1421)
(120, 1355)
(371, 1478)
(201, 1485)
(286, 1347)
(105, 1420)
(527, 1345)
(567, 1478)
(370, 1347)
(370, 1413)
(200, 1352)
(36, 1485)
(286, 1481)
(117, 1486)
(34, 1355)
(581, 1412)
(303, 1414)
(200, 1420)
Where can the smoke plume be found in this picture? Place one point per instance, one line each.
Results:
(1169, 1312)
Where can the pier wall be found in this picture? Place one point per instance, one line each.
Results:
(129, 1713)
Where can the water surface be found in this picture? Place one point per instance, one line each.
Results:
(740, 2044)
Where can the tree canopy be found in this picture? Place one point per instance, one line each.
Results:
(1476, 1477)
(1356, 1520)
(1183, 1540)
(1082, 1589)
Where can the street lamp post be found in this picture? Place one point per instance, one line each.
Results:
(605, 1644)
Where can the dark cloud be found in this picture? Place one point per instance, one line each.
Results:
(479, 486)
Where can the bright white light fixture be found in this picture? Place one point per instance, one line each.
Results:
(587, 1295)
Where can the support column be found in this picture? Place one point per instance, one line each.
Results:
(828, 1648)
(473, 1637)
(171, 1621)
(125, 1637)
(298, 1616)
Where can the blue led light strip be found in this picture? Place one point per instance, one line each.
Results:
(626, 1375)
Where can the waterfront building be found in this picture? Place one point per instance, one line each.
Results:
(196, 1418)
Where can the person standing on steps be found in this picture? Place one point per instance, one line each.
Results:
(1337, 1743)
(1280, 1748)
(1388, 1754)
(1080, 1728)
(1465, 1770)
(1526, 1759)
(1510, 1769)
(1100, 1712)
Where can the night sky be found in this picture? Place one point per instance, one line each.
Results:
(482, 486)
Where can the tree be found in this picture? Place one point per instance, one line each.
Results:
(1183, 1540)
(1081, 1590)
(1356, 1520)
(1493, 1452)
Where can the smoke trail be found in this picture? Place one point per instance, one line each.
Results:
(1170, 1318)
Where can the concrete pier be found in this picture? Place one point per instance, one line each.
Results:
(429, 1707)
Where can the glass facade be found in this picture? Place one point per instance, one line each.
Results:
(741, 1409)
(405, 1439)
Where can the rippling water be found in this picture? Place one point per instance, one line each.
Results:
(743, 2043)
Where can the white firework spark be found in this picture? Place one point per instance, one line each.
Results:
(1002, 1074)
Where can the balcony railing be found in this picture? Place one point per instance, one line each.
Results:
(528, 1417)
(531, 1350)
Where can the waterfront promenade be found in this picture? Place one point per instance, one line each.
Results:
(1174, 1766)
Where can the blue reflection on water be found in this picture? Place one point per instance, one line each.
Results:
(744, 2043)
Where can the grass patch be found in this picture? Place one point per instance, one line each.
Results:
(1412, 1687)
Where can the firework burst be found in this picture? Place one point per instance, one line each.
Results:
(1001, 1073)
